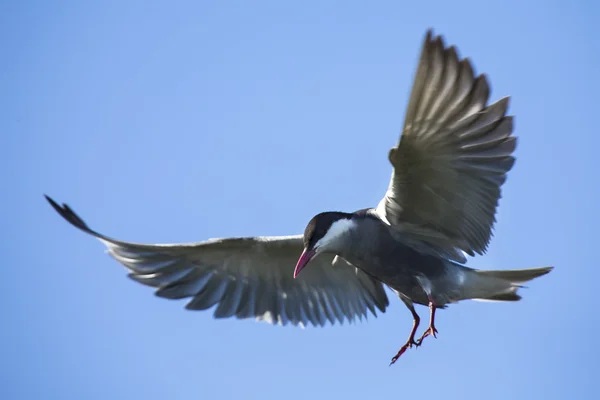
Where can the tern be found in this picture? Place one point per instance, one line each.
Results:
(450, 163)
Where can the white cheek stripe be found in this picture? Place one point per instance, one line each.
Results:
(337, 229)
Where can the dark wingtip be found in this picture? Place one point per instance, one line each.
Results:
(428, 34)
(67, 213)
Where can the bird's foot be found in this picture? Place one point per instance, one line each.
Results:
(409, 344)
(431, 331)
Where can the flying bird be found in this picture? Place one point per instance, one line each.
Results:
(450, 163)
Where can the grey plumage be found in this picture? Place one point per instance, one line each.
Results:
(449, 166)
(246, 278)
(370, 245)
(452, 158)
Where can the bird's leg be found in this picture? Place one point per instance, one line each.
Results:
(411, 338)
(431, 330)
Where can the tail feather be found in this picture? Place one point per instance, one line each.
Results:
(502, 285)
(516, 276)
(502, 297)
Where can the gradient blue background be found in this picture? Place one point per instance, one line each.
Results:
(180, 121)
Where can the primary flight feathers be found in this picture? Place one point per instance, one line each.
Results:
(452, 158)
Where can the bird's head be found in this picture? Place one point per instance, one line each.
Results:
(324, 233)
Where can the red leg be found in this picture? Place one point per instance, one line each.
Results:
(411, 338)
(431, 330)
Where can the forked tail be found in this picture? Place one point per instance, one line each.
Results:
(502, 285)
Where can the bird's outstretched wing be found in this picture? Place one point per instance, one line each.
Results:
(452, 158)
(249, 277)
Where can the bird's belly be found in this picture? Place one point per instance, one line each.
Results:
(407, 286)
(399, 276)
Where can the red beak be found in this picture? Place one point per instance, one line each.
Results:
(304, 259)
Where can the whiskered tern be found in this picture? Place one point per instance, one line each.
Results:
(451, 161)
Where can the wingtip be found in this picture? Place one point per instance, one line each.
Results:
(432, 39)
(68, 214)
(428, 34)
(429, 39)
(51, 201)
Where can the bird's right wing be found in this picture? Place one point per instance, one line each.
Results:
(249, 277)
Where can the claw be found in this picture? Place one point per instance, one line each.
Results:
(411, 338)
(409, 344)
(430, 331)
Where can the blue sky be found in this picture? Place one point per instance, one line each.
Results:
(181, 121)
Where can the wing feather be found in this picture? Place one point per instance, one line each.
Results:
(452, 158)
(249, 277)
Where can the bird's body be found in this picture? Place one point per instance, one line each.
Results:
(370, 246)
(368, 243)
(448, 168)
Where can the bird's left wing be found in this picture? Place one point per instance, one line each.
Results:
(452, 158)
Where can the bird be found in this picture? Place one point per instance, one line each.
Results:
(454, 154)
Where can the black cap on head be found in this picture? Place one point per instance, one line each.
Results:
(319, 225)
